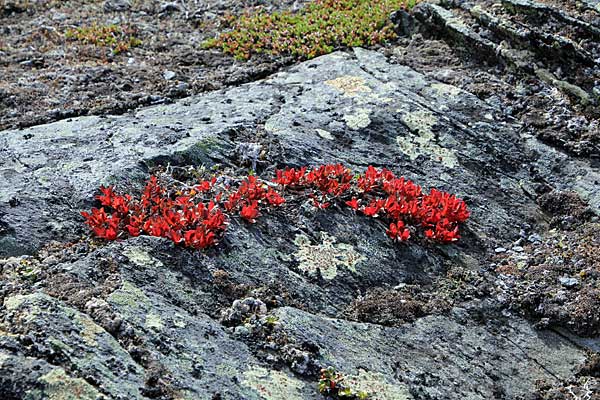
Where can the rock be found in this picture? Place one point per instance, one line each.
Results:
(242, 310)
(569, 282)
(169, 7)
(141, 317)
(116, 5)
(408, 350)
(516, 33)
(168, 75)
(499, 250)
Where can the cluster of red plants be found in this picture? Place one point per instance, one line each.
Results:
(378, 193)
(198, 216)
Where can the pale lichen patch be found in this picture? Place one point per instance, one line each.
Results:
(3, 358)
(13, 302)
(350, 86)
(179, 321)
(272, 384)
(377, 387)
(140, 257)
(60, 386)
(444, 90)
(326, 256)
(421, 139)
(324, 134)
(89, 331)
(154, 321)
(358, 119)
(130, 301)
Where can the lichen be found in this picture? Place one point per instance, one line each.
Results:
(60, 386)
(358, 119)
(349, 85)
(140, 257)
(3, 358)
(128, 295)
(272, 384)
(376, 386)
(154, 321)
(90, 330)
(445, 90)
(324, 134)
(13, 302)
(326, 257)
(421, 139)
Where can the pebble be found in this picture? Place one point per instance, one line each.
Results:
(518, 249)
(534, 238)
(116, 5)
(168, 75)
(569, 282)
(500, 250)
(241, 331)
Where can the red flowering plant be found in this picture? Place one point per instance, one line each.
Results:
(197, 216)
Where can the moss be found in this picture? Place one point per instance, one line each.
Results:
(319, 28)
(118, 38)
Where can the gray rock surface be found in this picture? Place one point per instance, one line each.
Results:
(140, 318)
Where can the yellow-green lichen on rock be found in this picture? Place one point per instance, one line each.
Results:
(13, 302)
(326, 256)
(154, 321)
(324, 134)
(358, 118)
(59, 386)
(445, 90)
(272, 384)
(350, 86)
(141, 258)
(421, 139)
(89, 329)
(376, 386)
(132, 302)
(3, 358)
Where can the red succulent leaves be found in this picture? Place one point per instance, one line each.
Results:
(182, 219)
(378, 193)
(250, 212)
(197, 217)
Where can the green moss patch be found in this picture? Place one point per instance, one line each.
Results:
(319, 28)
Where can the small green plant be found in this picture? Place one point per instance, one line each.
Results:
(118, 38)
(332, 385)
(319, 28)
(271, 320)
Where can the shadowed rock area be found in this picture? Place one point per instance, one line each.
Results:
(259, 315)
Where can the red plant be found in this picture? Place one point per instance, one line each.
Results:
(196, 217)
